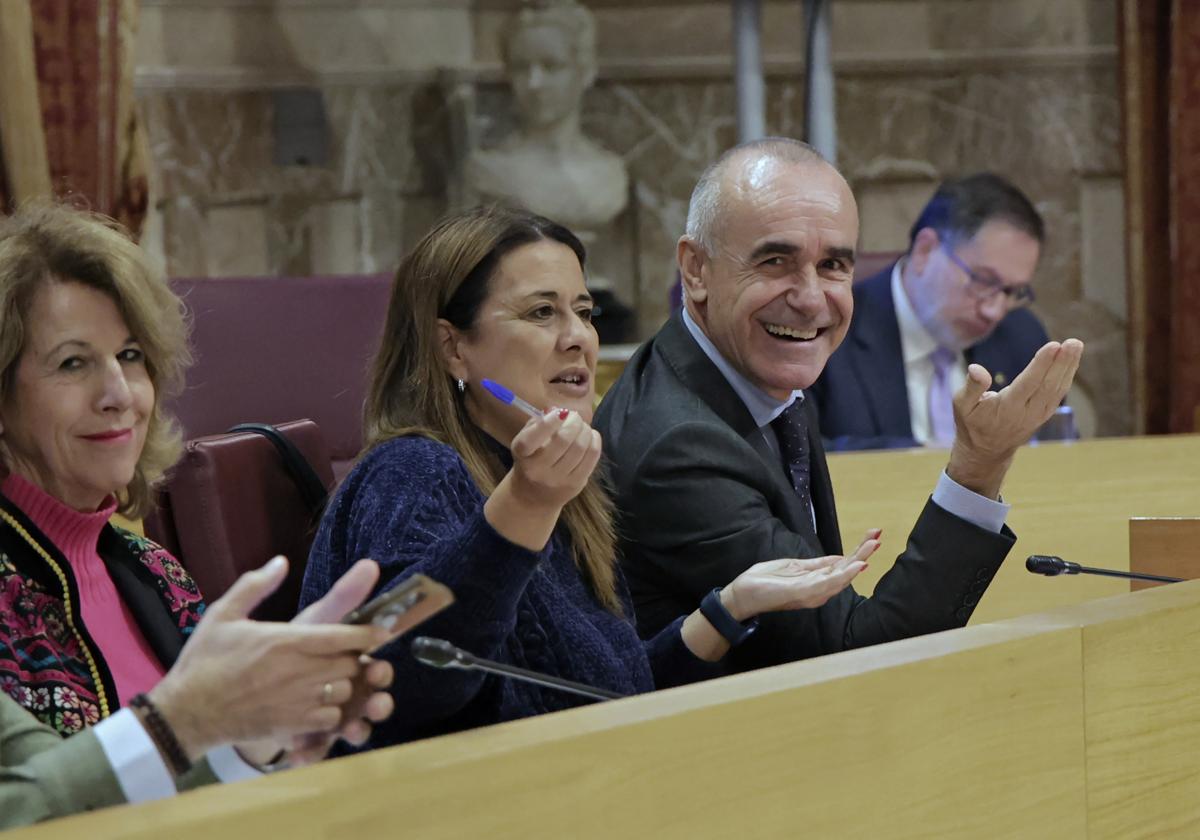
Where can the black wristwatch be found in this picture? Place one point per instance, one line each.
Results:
(734, 631)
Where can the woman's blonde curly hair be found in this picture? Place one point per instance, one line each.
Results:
(46, 242)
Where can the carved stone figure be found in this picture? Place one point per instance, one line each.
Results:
(547, 165)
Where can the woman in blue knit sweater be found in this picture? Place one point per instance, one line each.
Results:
(505, 509)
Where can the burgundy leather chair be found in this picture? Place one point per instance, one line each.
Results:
(271, 349)
(230, 504)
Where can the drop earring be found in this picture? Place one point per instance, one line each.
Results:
(462, 387)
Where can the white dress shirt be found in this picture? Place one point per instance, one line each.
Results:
(139, 767)
(917, 347)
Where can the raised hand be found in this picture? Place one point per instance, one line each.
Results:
(991, 425)
(553, 458)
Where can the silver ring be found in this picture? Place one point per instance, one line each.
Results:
(326, 694)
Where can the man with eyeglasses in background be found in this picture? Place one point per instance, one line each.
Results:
(960, 295)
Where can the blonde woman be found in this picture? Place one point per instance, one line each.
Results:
(92, 617)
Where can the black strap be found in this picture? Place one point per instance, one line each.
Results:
(312, 489)
(734, 631)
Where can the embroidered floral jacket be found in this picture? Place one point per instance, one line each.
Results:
(48, 661)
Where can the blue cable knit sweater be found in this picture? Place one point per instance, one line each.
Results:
(411, 504)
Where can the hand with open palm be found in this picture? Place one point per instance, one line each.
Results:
(991, 425)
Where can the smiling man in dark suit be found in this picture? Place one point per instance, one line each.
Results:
(714, 453)
(959, 296)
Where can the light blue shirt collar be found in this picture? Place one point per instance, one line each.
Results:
(762, 406)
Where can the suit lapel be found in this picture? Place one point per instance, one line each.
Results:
(877, 355)
(701, 377)
(985, 353)
(821, 487)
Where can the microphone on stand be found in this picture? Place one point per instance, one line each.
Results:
(1045, 564)
(438, 653)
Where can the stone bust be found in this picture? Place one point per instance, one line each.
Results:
(547, 165)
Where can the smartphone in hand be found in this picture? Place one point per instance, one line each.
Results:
(404, 606)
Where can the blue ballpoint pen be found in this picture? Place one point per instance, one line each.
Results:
(506, 396)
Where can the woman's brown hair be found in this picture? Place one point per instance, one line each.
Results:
(44, 242)
(447, 275)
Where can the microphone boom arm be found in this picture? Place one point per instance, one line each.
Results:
(438, 653)
(1045, 564)
(547, 680)
(1089, 570)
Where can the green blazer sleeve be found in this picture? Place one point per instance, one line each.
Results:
(44, 776)
(200, 774)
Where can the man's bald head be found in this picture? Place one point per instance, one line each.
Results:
(731, 173)
(768, 259)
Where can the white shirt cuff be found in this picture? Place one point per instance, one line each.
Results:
(140, 769)
(228, 766)
(966, 504)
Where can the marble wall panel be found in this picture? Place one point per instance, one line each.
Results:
(887, 208)
(185, 36)
(916, 103)
(1007, 23)
(882, 26)
(236, 236)
(214, 148)
(650, 32)
(1102, 227)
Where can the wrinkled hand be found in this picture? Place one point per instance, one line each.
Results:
(991, 425)
(793, 583)
(553, 459)
(239, 680)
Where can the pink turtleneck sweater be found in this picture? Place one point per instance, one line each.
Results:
(128, 655)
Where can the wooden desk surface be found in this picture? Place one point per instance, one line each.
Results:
(1078, 723)
(1073, 500)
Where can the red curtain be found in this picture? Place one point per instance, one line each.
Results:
(84, 58)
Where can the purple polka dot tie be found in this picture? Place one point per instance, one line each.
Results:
(791, 430)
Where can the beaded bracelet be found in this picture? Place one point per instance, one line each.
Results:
(162, 734)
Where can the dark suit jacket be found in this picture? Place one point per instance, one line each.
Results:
(862, 396)
(701, 497)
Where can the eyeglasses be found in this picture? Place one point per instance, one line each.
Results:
(985, 288)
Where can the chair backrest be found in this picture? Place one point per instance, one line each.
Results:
(271, 349)
(230, 504)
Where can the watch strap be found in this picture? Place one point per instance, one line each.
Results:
(734, 631)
